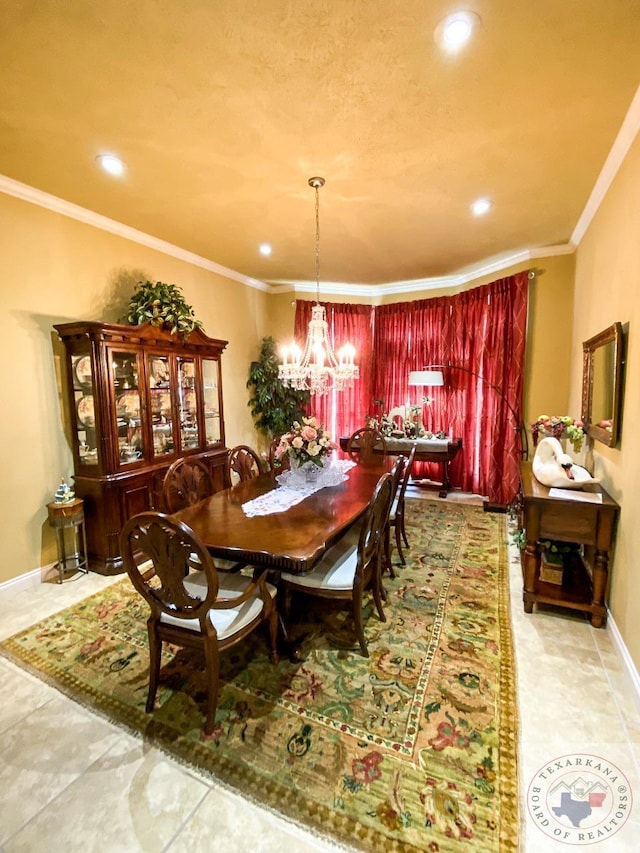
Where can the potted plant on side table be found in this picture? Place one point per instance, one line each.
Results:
(552, 559)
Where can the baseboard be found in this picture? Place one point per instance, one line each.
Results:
(25, 581)
(625, 657)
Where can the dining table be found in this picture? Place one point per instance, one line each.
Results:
(293, 540)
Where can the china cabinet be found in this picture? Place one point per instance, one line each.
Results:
(138, 398)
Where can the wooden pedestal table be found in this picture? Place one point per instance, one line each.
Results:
(568, 518)
(64, 516)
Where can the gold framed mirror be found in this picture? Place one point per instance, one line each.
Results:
(601, 384)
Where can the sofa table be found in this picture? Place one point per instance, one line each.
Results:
(568, 519)
(427, 450)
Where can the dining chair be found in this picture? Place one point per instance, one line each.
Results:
(396, 513)
(243, 463)
(396, 479)
(186, 482)
(275, 464)
(366, 445)
(352, 565)
(199, 610)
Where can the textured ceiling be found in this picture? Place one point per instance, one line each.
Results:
(222, 111)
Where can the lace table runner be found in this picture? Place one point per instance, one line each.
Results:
(280, 499)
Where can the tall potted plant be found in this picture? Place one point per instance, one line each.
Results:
(274, 405)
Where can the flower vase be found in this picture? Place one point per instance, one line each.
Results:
(304, 473)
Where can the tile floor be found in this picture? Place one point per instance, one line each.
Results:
(72, 781)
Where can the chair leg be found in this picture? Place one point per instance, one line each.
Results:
(357, 618)
(377, 590)
(212, 665)
(274, 657)
(155, 656)
(404, 530)
(399, 544)
(387, 552)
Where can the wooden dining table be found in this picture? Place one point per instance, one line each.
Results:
(293, 540)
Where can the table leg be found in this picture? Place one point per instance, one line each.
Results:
(84, 547)
(530, 571)
(62, 556)
(446, 482)
(599, 580)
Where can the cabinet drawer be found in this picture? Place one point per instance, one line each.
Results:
(568, 527)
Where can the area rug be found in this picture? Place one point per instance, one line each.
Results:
(413, 748)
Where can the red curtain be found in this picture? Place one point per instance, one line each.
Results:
(480, 334)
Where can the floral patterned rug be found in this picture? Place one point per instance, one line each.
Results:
(411, 749)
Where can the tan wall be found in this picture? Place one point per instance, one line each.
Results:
(54, 270)
(607, 290)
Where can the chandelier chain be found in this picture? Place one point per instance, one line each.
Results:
(317, 188)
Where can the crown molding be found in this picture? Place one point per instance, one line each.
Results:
(103, 223)
(623, 141)
(459, 279)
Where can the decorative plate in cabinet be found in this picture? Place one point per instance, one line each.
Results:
(86, 411)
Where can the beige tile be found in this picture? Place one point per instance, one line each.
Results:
(132, 798)
(236, 821)
(26, 694)
(44, 753)
(567, 724)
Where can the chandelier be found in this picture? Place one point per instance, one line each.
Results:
(317, 368)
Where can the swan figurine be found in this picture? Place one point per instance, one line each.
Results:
(555, 468)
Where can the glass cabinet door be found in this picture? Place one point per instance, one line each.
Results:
(210, 368)
(85, 420)
(187, 403)
(124, 375)
(160, 394)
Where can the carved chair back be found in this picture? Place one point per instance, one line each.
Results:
(243, 463)
(366, 445)
(186, 482)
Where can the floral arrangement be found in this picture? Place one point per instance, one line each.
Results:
(306, 442)
(558, 427)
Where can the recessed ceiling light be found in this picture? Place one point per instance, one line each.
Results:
(265, 249)
(481, 206)
(456, 29)
(111, 164)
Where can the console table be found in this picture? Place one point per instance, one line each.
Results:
(568, 520)
(427, 450)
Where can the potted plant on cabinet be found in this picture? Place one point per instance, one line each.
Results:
(161, 305)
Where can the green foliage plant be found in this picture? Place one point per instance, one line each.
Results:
(274, 405)
(162, 305)
(555, 551)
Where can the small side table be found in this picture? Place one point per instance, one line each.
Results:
(69, 515)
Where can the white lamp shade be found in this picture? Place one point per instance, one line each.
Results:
(426, 377)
